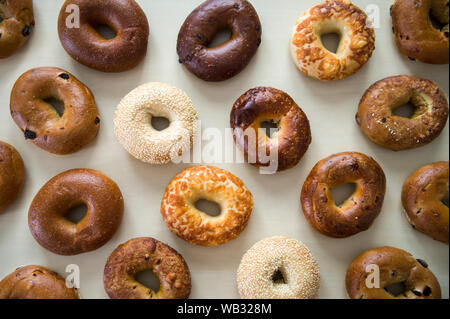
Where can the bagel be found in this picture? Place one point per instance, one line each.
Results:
(415, 35)
(133, 129)
(355, 48)
(84, 44)
(396, 267)
(213, 184)
(422, 197)
(376, 119)
(358, 212)
(265, 104)
(278, 268)
(16, 24)
(202, 25)
(41, 123)
(101, 196)
(12, 174)
(142, 254)
(35, 282)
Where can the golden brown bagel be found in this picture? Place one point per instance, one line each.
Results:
(16, 23)
(422, 197)
(65, 191)
(35, 282)
(142, 254)
(41, 123)
(414, 33)
(358, 212)
(376, 119)
(395, 267)
(12, 174)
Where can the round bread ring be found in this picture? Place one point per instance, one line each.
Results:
(16, 23)
(87, 46)
(39, 121)
(12, 174)
(332, 16)
(414, 33)
(396, 266)
(35, 282)
(358, 212)
(133, 129)
(65, 191)
(278, 268)
(264, 104)
(377, 121)
(228, 59)
(213, 184)
(422, 196)
(141, 254)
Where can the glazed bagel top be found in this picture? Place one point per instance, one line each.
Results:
(358, 212)
(414, 32)
(376, 119)
(125, 51)
(213, 184)
(12, 174)
(423, 195)
(35, 282)
(396, 266)
(16, 23)
(263, 104)
(73, 188)
(141, 254)
(41, 123)
(332, 16)
(202, 25)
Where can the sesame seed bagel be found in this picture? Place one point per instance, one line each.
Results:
(212, 184)
(133, 129)
(35, 282)
(278, 268)
(332, 16)
(376, 119)
(12, 174)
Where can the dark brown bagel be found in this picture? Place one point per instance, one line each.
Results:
(35, 282)
(228, 59)
(376, 119)
(268, 104)
(65, 191)
(422, 196)
(40, 122)
(87, 46)
(142, 254)
(12, 173)
(358, 212)
(395, 266)
(415, 35)
(16, 23)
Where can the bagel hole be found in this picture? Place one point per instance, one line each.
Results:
(148, 279)
(396, 289)
(270, 127)
(57, 105)
(221, 37)
(331, 41)
(160, 123)
(278, 277)
(342, 193)
(76, 214)
(406, 110)
(208, 207)
(105, 31)
(445, 201)
(435, 22)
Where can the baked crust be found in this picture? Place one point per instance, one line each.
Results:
(422, 196)
(396, 266)
(12, 174)
(209, 183)
(35, 282)
(376, 120)
(142, 254)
